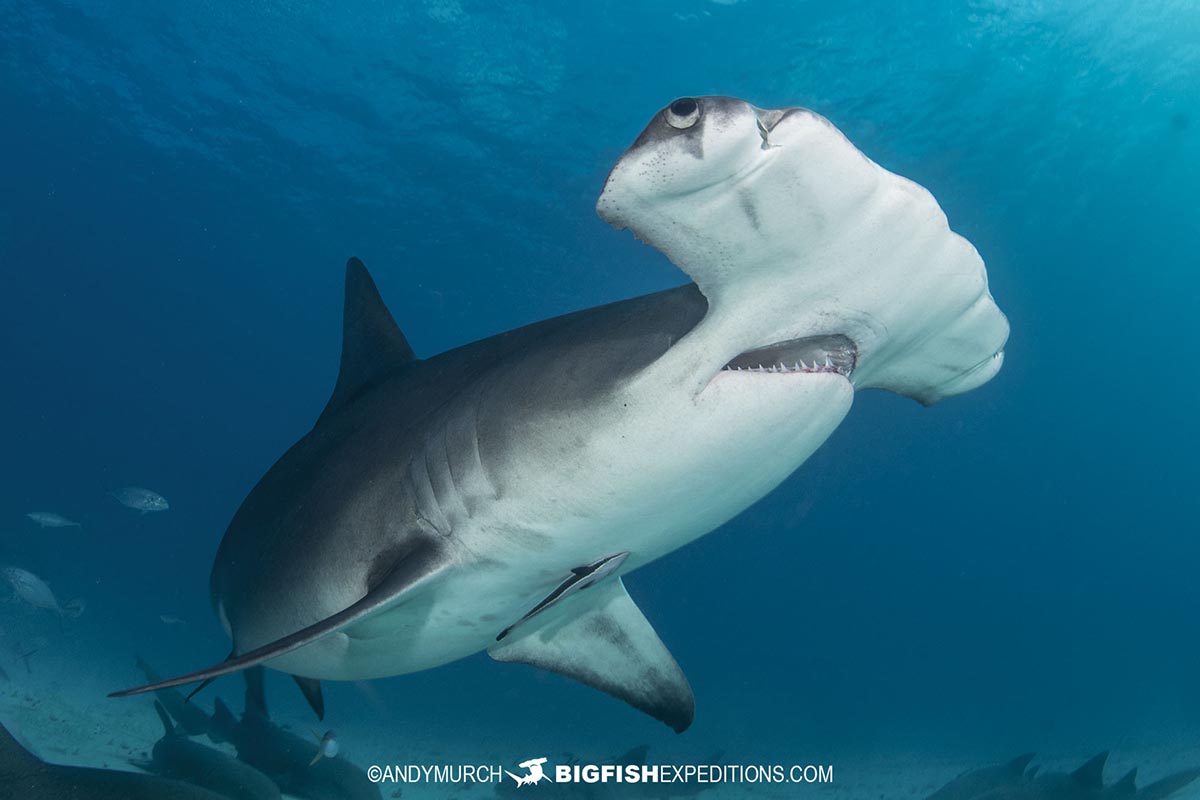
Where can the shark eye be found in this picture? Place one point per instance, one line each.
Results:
(683, 113)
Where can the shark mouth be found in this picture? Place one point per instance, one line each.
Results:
(811, 354)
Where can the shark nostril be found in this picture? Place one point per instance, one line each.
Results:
(767, 119)
(764, 134)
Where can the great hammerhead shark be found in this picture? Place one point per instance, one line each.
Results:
(492, 497)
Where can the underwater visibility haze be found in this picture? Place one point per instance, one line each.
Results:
(902, 590)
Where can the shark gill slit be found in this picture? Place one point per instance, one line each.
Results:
(444, 487)
(424, 497)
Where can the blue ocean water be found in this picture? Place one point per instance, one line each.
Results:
(1013, 568)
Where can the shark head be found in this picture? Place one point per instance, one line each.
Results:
(807, 251)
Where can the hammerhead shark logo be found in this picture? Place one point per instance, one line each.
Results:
(535, 774)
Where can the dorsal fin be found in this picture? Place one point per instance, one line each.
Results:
(165, 719)
(223, 722)
(1017, 765)
(372, 345)
(1127, 786)
(1091, 774)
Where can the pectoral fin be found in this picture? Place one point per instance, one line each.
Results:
(411, 571)
(580, 578)
(600, 637)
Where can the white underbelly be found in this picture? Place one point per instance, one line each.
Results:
(646, 487)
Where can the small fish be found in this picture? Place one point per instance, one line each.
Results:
(167, 619)
(31, 589)
(140, 499)
(327, 746)
(27, 651)
(48, 519)
(75, 608)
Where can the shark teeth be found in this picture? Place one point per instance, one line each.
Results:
(798, 366)
(832, 353)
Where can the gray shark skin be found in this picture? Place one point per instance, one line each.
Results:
(192, 721)
(1011, 781)
(976, 782)
(176, 756)
(285, 757)
(493, 497)
(24, 776)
